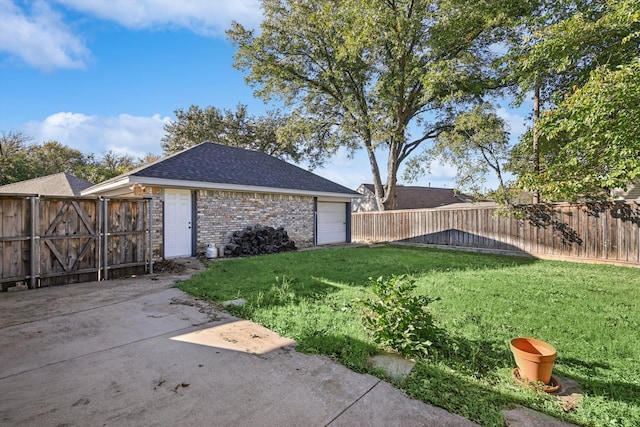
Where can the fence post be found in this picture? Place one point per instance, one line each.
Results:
(34, 242)
(105, 239)
(98, 233)
(150, 227)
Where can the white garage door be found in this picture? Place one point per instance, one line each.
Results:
(332, 223)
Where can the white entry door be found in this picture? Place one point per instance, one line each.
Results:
(332, 223)
(177, 223)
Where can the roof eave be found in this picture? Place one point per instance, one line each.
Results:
(108, 187)
(113, 187)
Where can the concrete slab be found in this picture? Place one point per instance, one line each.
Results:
(106, 354)
(379, 407)
(525, 417)
(160, 381)
(238, 335)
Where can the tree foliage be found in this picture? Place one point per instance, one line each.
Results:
(591, 139)
(14, 163)
(235, 128)
(21, 160)
(584, 54)
(360, 74)
(477, 145)
(52, 157)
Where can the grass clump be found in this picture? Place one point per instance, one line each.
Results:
(590, 313)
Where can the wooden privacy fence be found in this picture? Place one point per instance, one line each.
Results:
(46, 241)
(604, 231)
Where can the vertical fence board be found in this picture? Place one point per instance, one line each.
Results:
(68, 237)
(607, 232)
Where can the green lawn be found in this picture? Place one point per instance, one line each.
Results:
(590, 313)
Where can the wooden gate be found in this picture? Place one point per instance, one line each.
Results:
(69, 230)
(46, 241)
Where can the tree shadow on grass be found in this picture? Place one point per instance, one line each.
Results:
(451, 385)
(439, 385)
(474, 357)
(588, 376)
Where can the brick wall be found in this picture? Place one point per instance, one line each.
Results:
(220, 213)
(157, 221)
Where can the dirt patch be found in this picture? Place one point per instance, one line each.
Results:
(168, 266)
(212, 311)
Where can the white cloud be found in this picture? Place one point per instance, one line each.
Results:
(42, 37)
(124, 134)
(209, 17)
(517, 124)
(39, 37)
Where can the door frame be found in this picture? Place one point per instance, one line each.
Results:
(192, 220)
(347, 221)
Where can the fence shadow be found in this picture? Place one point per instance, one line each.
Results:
(589, 232)
(461, 238)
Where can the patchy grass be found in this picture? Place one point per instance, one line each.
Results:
(590, 313)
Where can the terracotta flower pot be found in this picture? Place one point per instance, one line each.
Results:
(534, 358)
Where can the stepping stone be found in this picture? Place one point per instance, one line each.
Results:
(234, 303)
(394, 366)
(525, 417)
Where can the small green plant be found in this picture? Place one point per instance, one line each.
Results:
(398, 319)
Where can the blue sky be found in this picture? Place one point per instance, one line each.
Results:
(100, 75)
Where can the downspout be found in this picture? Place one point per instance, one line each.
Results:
(348, 223)
(315, 221)
(150, 227)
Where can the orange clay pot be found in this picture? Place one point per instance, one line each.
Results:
(534, 358)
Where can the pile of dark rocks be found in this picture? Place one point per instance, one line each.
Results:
(258, 240)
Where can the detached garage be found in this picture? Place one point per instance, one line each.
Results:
(205, 193)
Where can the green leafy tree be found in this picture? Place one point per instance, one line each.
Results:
(572, 45)
(110, 165)
(593, 137)
(361, 74)
(53, 157)
(14, 162)
(21, 161)
(235, 128)
(477, 145)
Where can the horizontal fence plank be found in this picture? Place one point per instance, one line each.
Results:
(604, 231)
(14, 239)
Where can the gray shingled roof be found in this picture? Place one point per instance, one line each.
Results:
(214, 163)
(59, 184)
(414, 197)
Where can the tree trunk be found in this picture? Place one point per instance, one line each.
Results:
(375, 172)
(392, 171)
(536, 144)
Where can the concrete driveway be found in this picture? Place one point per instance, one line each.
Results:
(114, 353)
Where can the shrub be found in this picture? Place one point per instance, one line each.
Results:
(398, 319)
